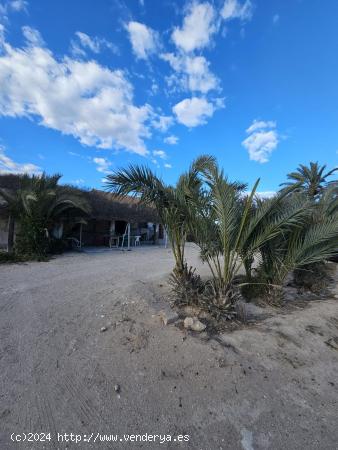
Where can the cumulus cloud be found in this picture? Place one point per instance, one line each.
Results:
(168, 166)
(162, 123)
(266, 194)
(102, 165)
(194, 73)
(18, 5)
(171, 140)
(195, 111)
(7, 165)
(12, 6)
(32, 36)
(262, 140)
(79, 98)
(83, 42)
(260, 124)
(160, 153)
(198, 27)
(144, 40)
(234, 9)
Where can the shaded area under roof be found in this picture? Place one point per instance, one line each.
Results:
(104, 205)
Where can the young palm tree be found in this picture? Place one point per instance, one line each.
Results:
(170, 202)
(35, 206)
(312, 240)
(230, 229)
(311, 180)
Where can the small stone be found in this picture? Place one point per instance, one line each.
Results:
(168, 317)
(103, 329)
(194, 324)
(117, 388)
(188, 322)
(198, 326)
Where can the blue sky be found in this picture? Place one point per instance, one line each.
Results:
(87, 87)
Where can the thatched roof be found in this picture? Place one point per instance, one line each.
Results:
(108, 206)
(104, 205)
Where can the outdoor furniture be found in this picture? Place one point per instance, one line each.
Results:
(137, 241)
(75, 243)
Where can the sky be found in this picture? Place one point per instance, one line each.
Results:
(89, 87)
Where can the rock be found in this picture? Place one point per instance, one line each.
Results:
(194, 324)
(191, 311)
(198, 326)
(188, 322)
(168, 317)
(103, 329)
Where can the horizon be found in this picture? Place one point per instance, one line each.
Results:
(255, 87)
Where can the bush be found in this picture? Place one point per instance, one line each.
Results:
(6, 258)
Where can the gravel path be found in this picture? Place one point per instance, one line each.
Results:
(272, 385)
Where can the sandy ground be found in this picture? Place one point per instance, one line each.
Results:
(269, 385)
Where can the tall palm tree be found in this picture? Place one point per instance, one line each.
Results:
(36, 205)
(170, 202)
(309, 179)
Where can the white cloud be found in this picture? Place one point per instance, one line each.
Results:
(7, 165)
(78, 182)
(10, 6)
(32, 36)
(262, 140)
(18, 5)
(171, 140)
(195, 111)
(102, 165)
(83, 42)
(168, 166)
(143, 39)
(266, 194)
(260, 124)
(198, 27)
(79, 98)
(234, 9)
(162, 123)
(194, 73)
(160, 153)
(2, 35)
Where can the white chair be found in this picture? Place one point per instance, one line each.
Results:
(137, 241)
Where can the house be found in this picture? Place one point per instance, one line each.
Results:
(111, 220)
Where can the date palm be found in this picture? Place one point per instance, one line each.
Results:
(230, 229)
(35, 206)
(309, 179)
(170, 202)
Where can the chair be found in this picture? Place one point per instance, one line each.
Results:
(137, 241)
(75, 243)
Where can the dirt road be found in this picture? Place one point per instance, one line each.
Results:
(272, 385)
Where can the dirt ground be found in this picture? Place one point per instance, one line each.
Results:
(268, 385)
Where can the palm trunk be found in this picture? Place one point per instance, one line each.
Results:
(10, 239)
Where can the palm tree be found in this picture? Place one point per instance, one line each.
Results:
(312, 240)
(312, 179)
(230, 229)
(170, 202)
(36, 205)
